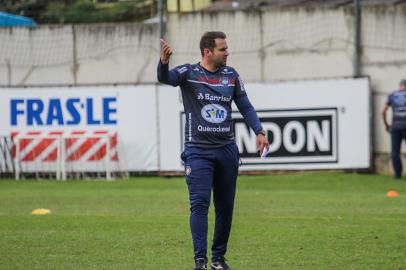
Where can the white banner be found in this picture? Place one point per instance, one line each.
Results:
(310, 124)
(126, 114)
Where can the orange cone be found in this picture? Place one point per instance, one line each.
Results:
(392, 193)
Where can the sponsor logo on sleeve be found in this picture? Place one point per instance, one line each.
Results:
(241, 84)
(182, 70)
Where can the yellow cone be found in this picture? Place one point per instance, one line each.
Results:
(392, 193)
(41, 211)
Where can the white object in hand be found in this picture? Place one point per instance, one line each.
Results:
(264, 152)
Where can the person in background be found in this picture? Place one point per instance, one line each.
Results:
(397, 128)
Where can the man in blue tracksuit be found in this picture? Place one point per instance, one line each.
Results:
(211, 155)
(396, 100)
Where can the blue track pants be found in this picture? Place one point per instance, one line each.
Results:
(210, 169)
(397, 136)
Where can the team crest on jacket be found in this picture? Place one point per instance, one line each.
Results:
(224, 81)
(188, 170)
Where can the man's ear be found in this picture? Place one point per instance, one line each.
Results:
(206, 51)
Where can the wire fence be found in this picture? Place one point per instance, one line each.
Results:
(260, 41)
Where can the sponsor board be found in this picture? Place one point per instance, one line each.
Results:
(87, 122)
(311, 125)
(322, 124)
(71, 111)
(295, 136)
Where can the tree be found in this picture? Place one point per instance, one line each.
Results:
(81, 11)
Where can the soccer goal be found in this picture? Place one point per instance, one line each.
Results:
(6, 160)
(76, 155)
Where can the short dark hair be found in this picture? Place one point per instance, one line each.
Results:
(208, 40)
(402, 82)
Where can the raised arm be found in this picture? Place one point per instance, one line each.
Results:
(166, 52)
(166, 76)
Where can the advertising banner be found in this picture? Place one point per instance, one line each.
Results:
(310, 125)
(88, 118)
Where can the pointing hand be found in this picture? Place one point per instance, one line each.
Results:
(166, 52)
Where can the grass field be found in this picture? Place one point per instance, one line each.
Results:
(297, 221)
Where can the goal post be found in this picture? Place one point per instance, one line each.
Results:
(66, 155)
(6, 159)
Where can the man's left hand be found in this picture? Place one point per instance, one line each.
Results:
(262, 142)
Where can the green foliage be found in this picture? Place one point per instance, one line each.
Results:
(29, 8)
(81, 11)
(302, 221)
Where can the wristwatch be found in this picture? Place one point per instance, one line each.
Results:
(263, 132)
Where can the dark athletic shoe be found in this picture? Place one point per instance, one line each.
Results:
(200, 264)
(220, 265)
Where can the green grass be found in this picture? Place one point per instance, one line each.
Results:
(299, 221)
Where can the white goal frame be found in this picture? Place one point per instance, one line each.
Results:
(61, 162)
